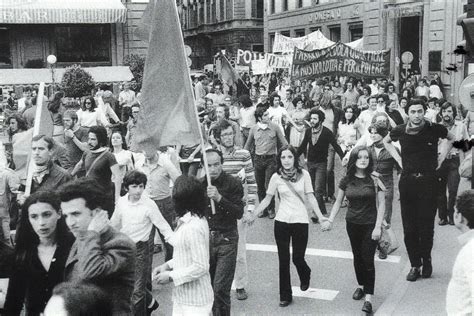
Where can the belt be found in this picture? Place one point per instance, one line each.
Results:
(265, 156)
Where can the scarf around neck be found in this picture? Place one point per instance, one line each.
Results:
(289, 175)
(412, 129)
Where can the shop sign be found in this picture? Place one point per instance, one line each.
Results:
(340, 60)
(402, 11)
(334, 14)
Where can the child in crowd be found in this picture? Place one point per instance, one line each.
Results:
(136, 215)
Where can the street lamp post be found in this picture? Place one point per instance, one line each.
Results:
(51, 59)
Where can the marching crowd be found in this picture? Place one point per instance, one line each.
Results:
(85, 235)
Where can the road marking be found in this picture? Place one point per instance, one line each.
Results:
(320, 252)
(313, 293)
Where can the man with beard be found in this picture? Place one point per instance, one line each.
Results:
(418, 183)
(100, 164)
(238, 163)
(448, 174)
(315, 144)
(75, 137)
(222, 113)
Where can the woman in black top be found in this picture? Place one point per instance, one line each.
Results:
(42, 247)
(363, 219)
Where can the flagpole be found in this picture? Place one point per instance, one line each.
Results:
(36, 129)
(201, 136)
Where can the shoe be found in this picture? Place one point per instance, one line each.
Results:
(451, 221)
(284, 303)
(382, 254)
(314, 219)
(427, 269)
(241, 294)
(367, 308)
(414, 274)
(304, 286)
(271, 214)
(358, 294)
(153, 307)
(263, 214)
(442, 222)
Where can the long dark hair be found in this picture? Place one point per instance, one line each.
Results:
(124, 144)
(189, 196)
(296, 162)
(20, 121)
(55, 103)
(355, 114)
(351, 166)
(93, 104)
(26, 239)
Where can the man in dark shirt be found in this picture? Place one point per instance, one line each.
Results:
(227, 194)
(75, 137)
(419, 143)
(315, 144)
(47, 176)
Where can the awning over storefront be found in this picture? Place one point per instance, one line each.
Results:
(10, 77)
(62, 11)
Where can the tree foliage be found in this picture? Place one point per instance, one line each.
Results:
(136, 63)
(77, 82)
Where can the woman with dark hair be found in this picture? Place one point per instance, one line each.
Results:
(78, 299)
(55, 111)
(407, 93)
(89, 115)
(292, 185)
(124, 157)
(189, 268)
(42, 247)
(16, 124)
(347, 129)
(391, 107)
(363, 219)
(295, 133)
(363, 102)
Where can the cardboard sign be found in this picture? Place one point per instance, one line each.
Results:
(340, 60)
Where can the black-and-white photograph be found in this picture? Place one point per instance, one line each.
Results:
(236, 157)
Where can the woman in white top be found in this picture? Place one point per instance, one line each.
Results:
(89, 115)
(347, 129)
(293, 186)
(124, 157)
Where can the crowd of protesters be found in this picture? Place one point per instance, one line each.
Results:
(271, 143)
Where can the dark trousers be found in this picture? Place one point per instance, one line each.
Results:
(223, 257)
(448, 178)
(363, 250)
(330, 173)
(418, 208)
(141, 296)
(318, 173)
(265, 167)
(298, 233)
(388, 182)
(166, 207)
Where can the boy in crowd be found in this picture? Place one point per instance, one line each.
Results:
(136, 215)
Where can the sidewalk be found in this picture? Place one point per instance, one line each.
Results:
(425, 296)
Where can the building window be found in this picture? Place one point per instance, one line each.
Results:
(285, 5)
(257, 9)
(201, 14)
(257, 48)
(314, 29)
(214, 12)
(271, 41)
(434, 61)
(299, 33)
(222, 10)
(335, 33)
(356, 32)
(229, 10)
(83, 43)
(272, 6)
(208, 11)
(285, 33)
(5, 56)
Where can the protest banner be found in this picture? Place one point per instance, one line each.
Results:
(260, 67)
(340, 60)
(278, 61)
(245, 57)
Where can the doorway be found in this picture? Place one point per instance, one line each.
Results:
(410, 40)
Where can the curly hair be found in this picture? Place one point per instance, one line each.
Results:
(465, 206)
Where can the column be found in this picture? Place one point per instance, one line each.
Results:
(425, 44)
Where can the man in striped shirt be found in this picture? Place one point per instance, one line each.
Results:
(238, 163)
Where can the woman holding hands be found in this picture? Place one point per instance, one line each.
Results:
(292, 185)
(366, 197)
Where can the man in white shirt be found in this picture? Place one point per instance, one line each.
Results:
(136, 215)
(126, 100)
(460, 293)
(365, 117)
(22, 102)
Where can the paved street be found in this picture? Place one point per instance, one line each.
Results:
(333, 279)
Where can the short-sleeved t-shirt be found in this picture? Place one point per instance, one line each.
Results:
(74, 153)
(101, 170)
(419, 152)
(291, 209)
(276, 115)
(360, 193)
